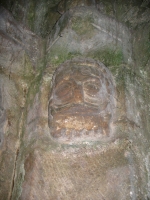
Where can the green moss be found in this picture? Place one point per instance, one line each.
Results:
(28, 72)
(108, 7)
(147, 52)
(113, 59)
(33, 79)
(34, 88)
(60, 55)
(108, 57)
(148, 46)
(83, 25)
(31, 15)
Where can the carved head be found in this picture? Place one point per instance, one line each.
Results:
(81, 104)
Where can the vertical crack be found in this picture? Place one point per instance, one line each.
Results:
(14, 173)
(16, 157)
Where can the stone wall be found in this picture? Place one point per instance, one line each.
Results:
(33, 164)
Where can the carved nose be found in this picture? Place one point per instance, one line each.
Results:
(78, 94)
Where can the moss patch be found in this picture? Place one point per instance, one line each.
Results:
(83, 26)
(108, 57)
(60, 55)
(31, 15)
(34, 88)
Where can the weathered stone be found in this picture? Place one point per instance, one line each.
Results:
(17, 45)
(85, 31)
(2, 117)
(82, 101)
(33, 164)
(18, 66)
(103, 172)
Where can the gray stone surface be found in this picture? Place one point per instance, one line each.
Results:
(84, 30)
(2, 116)
(35, 166)
(16, 41)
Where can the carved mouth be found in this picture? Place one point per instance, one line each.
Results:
(77, 109)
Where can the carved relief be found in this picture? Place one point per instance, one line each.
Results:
(81, 104)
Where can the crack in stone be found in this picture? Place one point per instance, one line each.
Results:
(14, 173)
(18, 144)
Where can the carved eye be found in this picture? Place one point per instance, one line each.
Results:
(63, 89)
(92, 87)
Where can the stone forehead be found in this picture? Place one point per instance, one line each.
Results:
(89, 65)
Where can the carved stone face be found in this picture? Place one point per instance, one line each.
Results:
(81, 102)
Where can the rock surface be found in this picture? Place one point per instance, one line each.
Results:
(32, 164)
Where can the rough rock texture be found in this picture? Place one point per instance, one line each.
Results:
(18, 67)
(89, 33)
(32, 164)
(81, 173)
